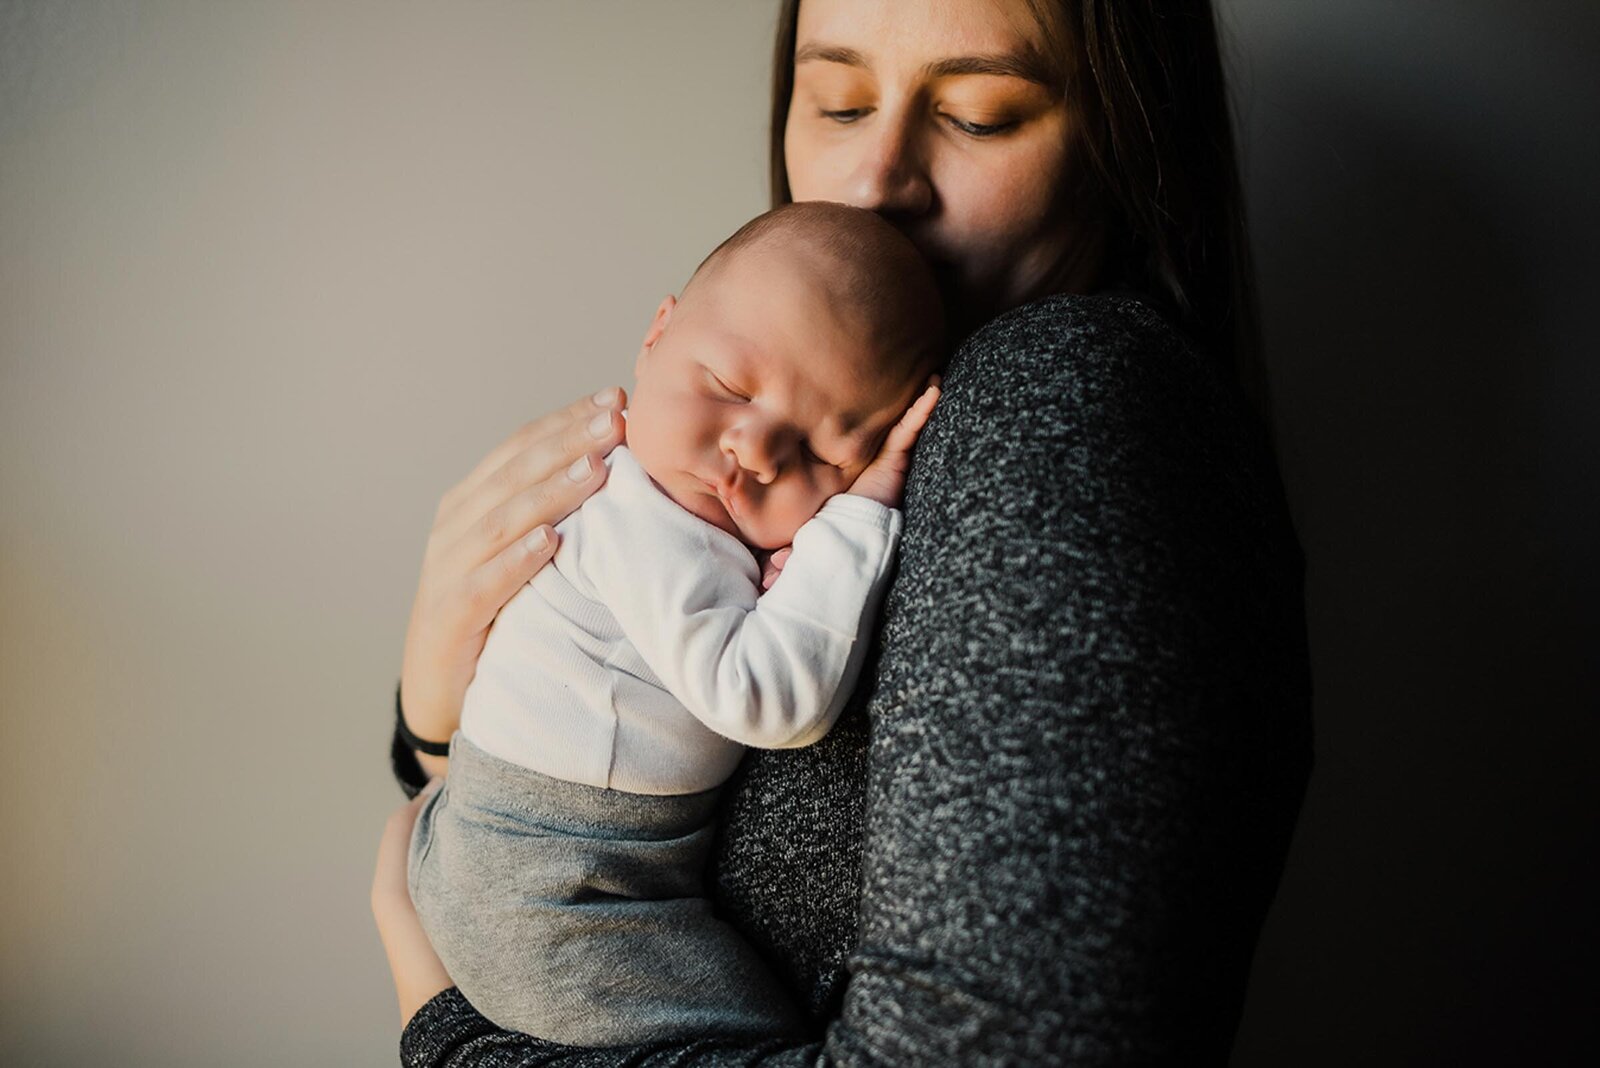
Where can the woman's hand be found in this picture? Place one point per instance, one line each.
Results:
(419, 975)
(491, 533)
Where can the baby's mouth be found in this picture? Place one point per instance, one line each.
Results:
(723, 494)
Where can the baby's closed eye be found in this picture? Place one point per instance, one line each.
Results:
(812, 456)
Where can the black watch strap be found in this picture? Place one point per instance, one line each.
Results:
(441, 749)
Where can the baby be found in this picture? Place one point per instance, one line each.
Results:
(559, 871)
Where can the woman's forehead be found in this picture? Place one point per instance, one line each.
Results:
(900, 33)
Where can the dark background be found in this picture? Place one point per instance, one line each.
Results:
(1424, 184)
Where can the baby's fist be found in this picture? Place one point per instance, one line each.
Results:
(885, 477)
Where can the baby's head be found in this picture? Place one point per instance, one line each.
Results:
(770, 384)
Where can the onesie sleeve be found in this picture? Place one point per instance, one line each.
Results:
(772, 670)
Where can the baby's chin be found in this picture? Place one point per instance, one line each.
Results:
(766, 542)
(758, 533)
(762, 533)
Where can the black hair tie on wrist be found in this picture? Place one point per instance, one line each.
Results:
(440, 749)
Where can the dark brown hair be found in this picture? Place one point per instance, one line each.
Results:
(1146, 84)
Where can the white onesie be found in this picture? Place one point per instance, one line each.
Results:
(645, 655)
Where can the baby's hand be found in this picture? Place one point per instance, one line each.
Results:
(772, 567)
(885, 477)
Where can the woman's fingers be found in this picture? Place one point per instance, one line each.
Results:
(478, 552)
(545, 502)
(568, 423)
(553, 475)
(538, 462)
(498, 579)
(553, 441)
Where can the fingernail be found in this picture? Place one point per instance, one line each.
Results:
(600, 425)
(580, 469)
(538, 541)
(606, 397)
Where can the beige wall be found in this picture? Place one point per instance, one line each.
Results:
(272, 276)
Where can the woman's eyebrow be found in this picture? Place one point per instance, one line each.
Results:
(829, 54)
(1025, 64)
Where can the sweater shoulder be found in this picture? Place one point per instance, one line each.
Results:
(1088, 381)
(1096, 410)
(1105, 320)
(1095, 352)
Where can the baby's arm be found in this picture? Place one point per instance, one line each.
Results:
(771, 670)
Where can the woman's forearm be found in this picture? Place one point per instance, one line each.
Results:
(418, 973)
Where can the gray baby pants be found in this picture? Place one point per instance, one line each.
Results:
(578, 914)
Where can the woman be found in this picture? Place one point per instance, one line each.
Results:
(1050, 824)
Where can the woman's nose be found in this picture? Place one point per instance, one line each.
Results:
(891, 174)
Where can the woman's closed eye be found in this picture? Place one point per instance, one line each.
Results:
(979, 129)
(844, 115)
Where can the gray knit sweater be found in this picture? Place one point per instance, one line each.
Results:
(1048, 826)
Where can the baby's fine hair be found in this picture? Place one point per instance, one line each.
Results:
(874, 273)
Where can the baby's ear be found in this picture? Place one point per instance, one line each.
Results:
(657, 326)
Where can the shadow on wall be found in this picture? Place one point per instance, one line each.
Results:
(1425, 227)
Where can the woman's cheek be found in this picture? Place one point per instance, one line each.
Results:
(1005, 229)
(816, 172)
(984, 224)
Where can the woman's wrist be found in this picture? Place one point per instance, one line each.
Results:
(432, 695)
(414, 756)
(423, 745)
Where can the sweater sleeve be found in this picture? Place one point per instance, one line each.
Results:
(1090, 726)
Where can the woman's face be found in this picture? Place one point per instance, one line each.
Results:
(949, 120)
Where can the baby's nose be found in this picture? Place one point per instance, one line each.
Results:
(764, 452)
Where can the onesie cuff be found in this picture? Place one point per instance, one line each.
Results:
(850, 507)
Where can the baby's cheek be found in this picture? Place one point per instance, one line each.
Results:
(640, 436)
(808, 505)
(658, 436)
